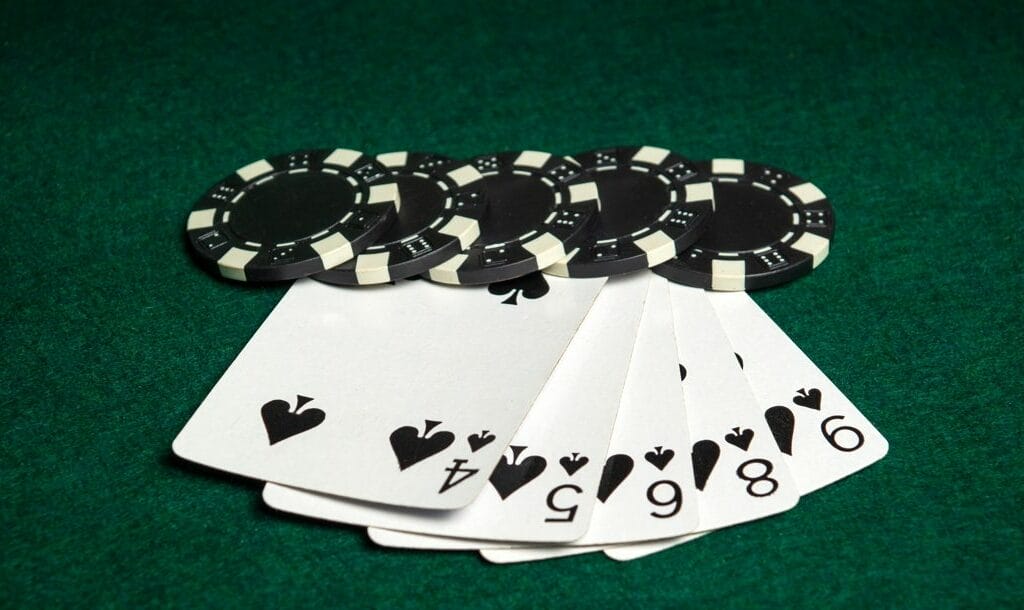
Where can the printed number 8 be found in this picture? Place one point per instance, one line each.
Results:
(752, 481)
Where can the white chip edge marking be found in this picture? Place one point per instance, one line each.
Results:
(467, 174)
(333, 250)
(546, 248)
(700, 191)
(384, 193)
(256, 168)
(343, 157)
(561, 268)
(815, 245)
(448, 271)
(585, 191)
(728, 166)
(532, 158)
(651, 154)
(659, 248)
(466, 230)
(393, 159)
(373, 268)
(232, 264)
(201, 219)
(807, 193)
(728, 275)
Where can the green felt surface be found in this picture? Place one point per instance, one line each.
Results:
(114, 118)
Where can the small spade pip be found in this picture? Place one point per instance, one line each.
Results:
(532, 286)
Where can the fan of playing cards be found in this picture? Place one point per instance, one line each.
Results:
(480, 360)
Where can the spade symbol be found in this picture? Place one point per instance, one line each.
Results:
(704, 456)
(476, 441)
(410, 447)
(740, 438)
(660, 458)
(510, 476)
(780, 422)
(616, 469)
(808, 398)
(532, 286)
(574, 463)
(282, 422)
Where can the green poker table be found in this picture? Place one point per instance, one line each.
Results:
(115, 117)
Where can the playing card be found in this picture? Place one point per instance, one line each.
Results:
(410, 540)
(519, 555)
(405, 394)
(544, 487)
(629, 552)
(647, 489)
(738, 471)
(820, 432)
(647, 479)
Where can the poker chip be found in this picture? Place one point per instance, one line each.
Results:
(442, 202)
(653, 205)
(533, 218)
(769, 227)
(292, 215)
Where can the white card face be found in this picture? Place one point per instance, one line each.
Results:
(823, 436)
(409, 540)
(534, 553)
(739, 473)
(648, 491)
(544, 487)
(404, 394)
(629, 552)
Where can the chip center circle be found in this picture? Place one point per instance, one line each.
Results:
(290, 207)
(422, 200)
(630, 200)
(746, 218)
(516, 205)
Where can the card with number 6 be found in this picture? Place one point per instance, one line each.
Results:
(821, 434)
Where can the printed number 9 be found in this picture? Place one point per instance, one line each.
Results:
(675, 501)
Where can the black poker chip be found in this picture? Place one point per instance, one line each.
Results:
(769, 227)
(653, 205)
(442, 203)
(293, 215)
(533, 218)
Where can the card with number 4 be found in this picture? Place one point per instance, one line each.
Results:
(405, 394)
(544, 487)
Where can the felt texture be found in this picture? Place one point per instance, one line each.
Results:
(114, 117)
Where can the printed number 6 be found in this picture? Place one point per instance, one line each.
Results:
(830, 436)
